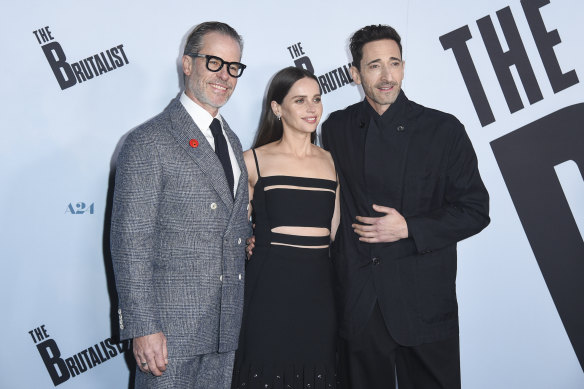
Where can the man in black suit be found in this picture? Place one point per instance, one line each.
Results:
(410, 190)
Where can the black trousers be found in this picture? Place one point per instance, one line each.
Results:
(372, 358)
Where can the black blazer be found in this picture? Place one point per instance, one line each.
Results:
(443, 200)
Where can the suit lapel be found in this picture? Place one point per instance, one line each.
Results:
(238, 152)
(241, 195)
(183, 128)
(355, 142)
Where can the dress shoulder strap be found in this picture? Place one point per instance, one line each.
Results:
(256, 162)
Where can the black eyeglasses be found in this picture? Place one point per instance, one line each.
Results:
(214, 64)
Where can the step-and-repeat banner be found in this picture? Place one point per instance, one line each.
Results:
(76, 77)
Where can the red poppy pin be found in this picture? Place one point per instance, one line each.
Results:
(194, 143)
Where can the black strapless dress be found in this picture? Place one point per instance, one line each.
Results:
(289, 329)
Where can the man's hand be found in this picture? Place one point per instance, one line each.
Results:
(151, 353)
(250, 242)
(389, 228)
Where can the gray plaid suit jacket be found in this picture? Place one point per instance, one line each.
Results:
(178, 237)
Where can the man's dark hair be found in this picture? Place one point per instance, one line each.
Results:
(195, 39)
(369, 34)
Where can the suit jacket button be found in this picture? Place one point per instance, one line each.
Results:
(240, 276)
(375, 261)
(121, 326)
(213, 206)
(221, 278)
(119, 311)
(239, 241)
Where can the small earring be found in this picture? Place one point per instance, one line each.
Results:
(278, 116)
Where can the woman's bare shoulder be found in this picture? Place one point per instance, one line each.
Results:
(248, 156)
(325, 160)
(322, 153)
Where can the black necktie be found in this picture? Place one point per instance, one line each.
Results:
(222, 152)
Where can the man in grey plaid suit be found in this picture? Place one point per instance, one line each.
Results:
(179, 225)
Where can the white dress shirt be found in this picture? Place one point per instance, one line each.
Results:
(203, 120)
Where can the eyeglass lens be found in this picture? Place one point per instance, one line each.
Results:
(215, 64)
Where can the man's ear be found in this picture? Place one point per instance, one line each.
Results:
(355, 74)
(187, 63)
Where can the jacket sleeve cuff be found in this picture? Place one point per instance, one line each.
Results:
(130, 329)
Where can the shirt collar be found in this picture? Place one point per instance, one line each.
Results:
(200, 116)
(390, 113)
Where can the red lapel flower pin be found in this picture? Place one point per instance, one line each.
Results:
(194, 143)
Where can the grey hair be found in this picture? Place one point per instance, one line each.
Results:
(195, 39)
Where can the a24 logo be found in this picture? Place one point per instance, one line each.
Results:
(80, 208)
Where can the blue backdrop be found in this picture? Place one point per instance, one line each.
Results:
(77, 76)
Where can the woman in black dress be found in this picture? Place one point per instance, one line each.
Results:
(288, 334)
